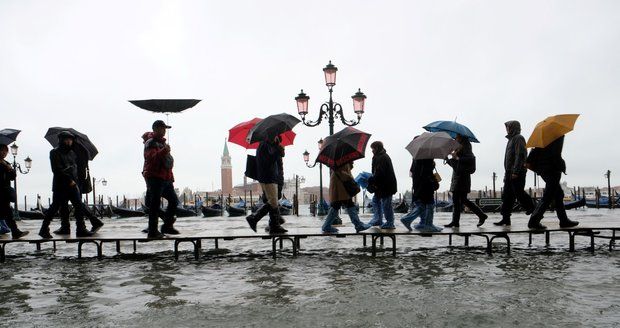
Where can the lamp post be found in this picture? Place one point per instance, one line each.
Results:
(298, 180)
(330, 110)
(320, 210)
(104, 183)
(18, 168)
(610, 199)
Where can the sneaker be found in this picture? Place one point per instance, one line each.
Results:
(406, 223)
(362, 227)
(251, 221)
(330, 230)
(388, 226)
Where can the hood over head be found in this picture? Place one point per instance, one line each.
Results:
(513, 128)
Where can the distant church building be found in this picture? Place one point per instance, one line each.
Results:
(227, 181)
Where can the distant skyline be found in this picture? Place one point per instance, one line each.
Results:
(77, 63)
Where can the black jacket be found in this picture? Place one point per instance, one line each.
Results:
(516, 153)
(422, 176)
(383, 177)
(7, 174)
(267, 157)
(461, 178)
(548, 159)
(64, 167)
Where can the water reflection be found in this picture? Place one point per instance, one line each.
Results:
(161, 277)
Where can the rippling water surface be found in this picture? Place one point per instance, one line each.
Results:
(334, 282)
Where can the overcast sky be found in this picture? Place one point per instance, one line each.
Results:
(76, 63)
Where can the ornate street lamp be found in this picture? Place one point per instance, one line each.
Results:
(103, 182)
(18, 168)
(306, 154)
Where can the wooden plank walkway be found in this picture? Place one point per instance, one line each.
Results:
(594, 228)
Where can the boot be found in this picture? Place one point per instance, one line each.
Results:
(535, 218)
(453, 224)
(481, 219)
(329, 220)
(274, 221)
(505, 221)
(80, 228)
(44, 232)
(355, 219)
(65, 226)
(15, 233)
(95, 223)
(567, 223)
(168, 226)
(257, 216)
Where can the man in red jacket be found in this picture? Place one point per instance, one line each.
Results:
(157, 172)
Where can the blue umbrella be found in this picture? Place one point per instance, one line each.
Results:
(362, 179)
(452, 128)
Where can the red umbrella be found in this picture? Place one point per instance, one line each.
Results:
(345, 146)
(238, 134)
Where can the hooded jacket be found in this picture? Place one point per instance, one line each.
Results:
(383, 177)
(516, 153)
(461, 178)
(158, 162)
(64, 166)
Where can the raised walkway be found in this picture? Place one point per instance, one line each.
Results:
(593, 228)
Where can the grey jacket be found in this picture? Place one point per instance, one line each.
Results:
(516, 153)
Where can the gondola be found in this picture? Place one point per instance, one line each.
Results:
(235, 211)
(185, 212)
(402, 207)
(285, 206)
(211, 211)
(126, 212)
(575, 204)
(31, 215)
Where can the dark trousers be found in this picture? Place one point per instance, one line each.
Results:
(553, 193)
(6, 213)
(459, 199)
(61, 197)
(156, 189)
(514, 191)
(339, 204)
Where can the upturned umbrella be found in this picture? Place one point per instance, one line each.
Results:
(550, 129)
(432, 145)
(239, 133)
(345, 146)
(8, 136)
(81, 140)
(165, 105)
(271, 126)
(362, 179)
(452, 128)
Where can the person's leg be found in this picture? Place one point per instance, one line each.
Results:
(271, 191)
(457, 201)
(474, 208)
(388, 211)
(58, 198)
(508, 200)
(6, 212)
(280, 187)
(4, 228)
(354, 216)
(377, 212)
(78, 208)
(406, 220)
(560, 211)
(65, 224)
(422, 224)
(173, 202)
(330, 217)
(524, 199)
(543, 204)
(155, 191)
(429, 213)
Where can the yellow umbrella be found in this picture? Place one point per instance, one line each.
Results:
(551, 129)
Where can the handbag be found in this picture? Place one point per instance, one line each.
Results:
(350, 186)
(250, 167)
(436, 180)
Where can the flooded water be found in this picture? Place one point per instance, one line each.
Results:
(334, 282)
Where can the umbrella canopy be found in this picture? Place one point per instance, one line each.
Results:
(165, 105)
(272, 126)
(343, 147)
(452, 128)
(432, 145)
(551, 129)
(8, 136)
(239, 133)
(81, 140)
(362, 179)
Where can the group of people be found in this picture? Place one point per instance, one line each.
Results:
(70, 182)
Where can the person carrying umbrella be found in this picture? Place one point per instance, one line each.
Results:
(546, 160)
(515, 173)
(463, 163)
(8, 174)
(157, 172)
(65, 186)
(383, 182)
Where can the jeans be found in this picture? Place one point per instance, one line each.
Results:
(158, 188)
(382, 207)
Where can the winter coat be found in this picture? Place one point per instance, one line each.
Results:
(268, 155)
(422, 176)
(281, 166)
(64, 166)
(337, 191)
(461, 178)
(158, 162)
(383, 177)
(7, 174)
(548, 159)
(516, 153)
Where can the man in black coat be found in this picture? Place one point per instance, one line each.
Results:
(515, 172)
(383, 181)
(268, 155)
(8, 174)
(463, 163)
(550, 165)
(65, 186)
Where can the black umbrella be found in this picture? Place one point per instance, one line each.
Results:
(81, 140)
(343, 147)
(272, 126)
(165, 105)
(8, 136)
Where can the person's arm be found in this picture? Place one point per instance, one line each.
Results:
(519, 158)
(59, 168)
(154, 153)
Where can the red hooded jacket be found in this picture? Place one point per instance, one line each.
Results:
(158, 162)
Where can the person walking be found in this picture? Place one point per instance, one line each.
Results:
(463, 163)
(515, 173)
(424, 186)
(157, 171)
(342, 189)
(549, 164)
(383, 182)
(268, 155)
(65, 186)
(7, 194)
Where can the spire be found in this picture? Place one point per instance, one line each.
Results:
(226, 147)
